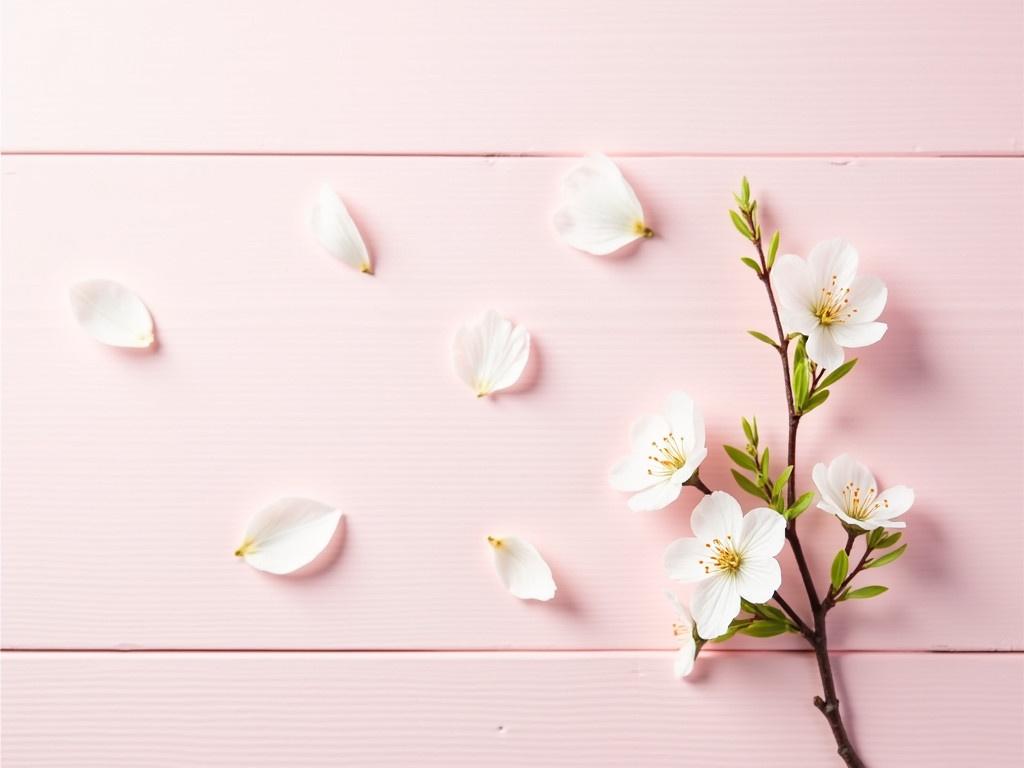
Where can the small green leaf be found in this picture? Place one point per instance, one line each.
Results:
(815, 400)
(745, 189)
(764, 337)
(863, 593)
(840, 567)
(887, 558)
(748, 430)
(762, 628)
(753, 421)
(734, 626)
(748, 486)
(741, 225)
(780, 483)
(875, 538)
(752, 264)
(773, 248)
(740, 457)
(765, 460)
(801, 379)
(884, 542)
(838, 373)
(800, 506)
(764, 611)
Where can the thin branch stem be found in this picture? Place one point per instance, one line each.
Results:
(806, 631)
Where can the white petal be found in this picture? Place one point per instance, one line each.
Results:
(717, 516)
(868, 296)
(845, 470)
(791, 281)
(656, 497)
(647, 430)
(685, 657)
(867, 525)
(600, 212)
(820, 476)
(716, 602)
(288, 534)
(693, 462)
(758, 578)
(893, 502)
(801, 320)
(686, 422)
(337, 232)
(631, 474)
(830, 260)
(683, 616)
(112, 313)
(856, 335)
(522, 569)
(490, 353)
(763, 533)
(683, 560)
(823, 349)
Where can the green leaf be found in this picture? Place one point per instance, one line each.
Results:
(764, 611)
(748, 486)
(762, 628)
(765, 460)
(748, 430)
(734, 626)
(840, 567)
(885, 559)
(753, 421)
(863, 593)
(838, 373)
(773, 248)
(752, 264)
(886, 541)
(745, 190)
(800, 506)
(741, 225)
(740, 457)
(764, 337)
(815, 400)
(801, 376)
(875, 538)
(780, 483)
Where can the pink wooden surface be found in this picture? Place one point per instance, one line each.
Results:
(126, 479)
(510, 709)
(783, 76)
(281, 372)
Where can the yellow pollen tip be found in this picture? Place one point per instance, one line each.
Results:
(496, 543)
(243, 550)
(366, 269)
(642, 230)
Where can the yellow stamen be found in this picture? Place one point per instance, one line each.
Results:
(668, 456)
(722, 556)
(366, 269)
(861, 505)
(642, 229)
(833, 306)
(496, 543)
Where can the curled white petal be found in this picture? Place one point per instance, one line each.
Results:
(522, 569)
(490, 353)
(337, 232)
(288, 534)
(112, 314)
(600, 213)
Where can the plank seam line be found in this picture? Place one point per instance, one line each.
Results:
(493, 651)
(539, 155)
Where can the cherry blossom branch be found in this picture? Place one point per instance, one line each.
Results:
(817, 637)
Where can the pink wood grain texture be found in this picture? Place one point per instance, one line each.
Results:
(783, 76)
(164, 710)
(128, 478)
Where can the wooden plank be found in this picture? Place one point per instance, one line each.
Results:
(530, 76)
(509, 709)
(127, 479)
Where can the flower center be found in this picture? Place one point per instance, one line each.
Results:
(833, 306)
(861, 505)
(668, 456)
(722, 556)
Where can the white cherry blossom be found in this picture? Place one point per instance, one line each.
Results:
(849, 491)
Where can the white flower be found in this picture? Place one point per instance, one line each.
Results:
(522, 569)
(683, 630)
(824, 299)
(491, 353)
(600, 212)
(666, 450)
(732, 556)
(848, 491)
(338, 233)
